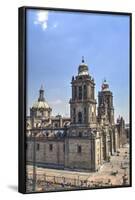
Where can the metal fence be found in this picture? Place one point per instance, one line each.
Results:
(46, 182)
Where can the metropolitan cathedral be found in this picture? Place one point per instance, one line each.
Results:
(86, 139)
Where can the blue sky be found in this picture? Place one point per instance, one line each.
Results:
(56, 41)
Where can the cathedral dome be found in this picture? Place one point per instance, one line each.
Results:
(41, 103)
(83, 68)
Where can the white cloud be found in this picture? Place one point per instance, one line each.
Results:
(55, 25)
(44, 26)
(42, 19)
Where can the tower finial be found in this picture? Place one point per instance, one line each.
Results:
(105, 85)
(41, 94)
(41, 88)
(104, 80)
(82, 59)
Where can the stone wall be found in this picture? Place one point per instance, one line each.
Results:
(85, 152)
(48, 152)
(80, 160)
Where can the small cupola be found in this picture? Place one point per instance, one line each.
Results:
(83, 68)
(105, 86)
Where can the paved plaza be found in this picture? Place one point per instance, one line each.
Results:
(113, 173)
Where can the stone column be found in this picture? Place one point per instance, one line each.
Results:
(73, 95)
(88, 91)
(101, 153)
(66, 154)
(105, 144)
(88, 114)
(83, 92)
(112, 144)
(92, 155)
(61, 122)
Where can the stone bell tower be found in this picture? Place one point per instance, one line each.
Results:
(106, 120)
(105, 105)
(82, 143)
(83, 103)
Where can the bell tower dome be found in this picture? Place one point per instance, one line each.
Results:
(83, 68)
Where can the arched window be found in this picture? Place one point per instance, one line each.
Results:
(38, 146)
(80, 134)
(74, 113)
(56, 125)
(80, 118)
(79, 149)
(50, 147)
(84, 91)
(84, 114)
(75, 92)
(80, 92)
(63, 147)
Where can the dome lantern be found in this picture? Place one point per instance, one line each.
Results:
(83, 68)
(105, 86)
(41, 94)
(41, 103)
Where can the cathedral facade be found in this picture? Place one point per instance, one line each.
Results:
(86, 139)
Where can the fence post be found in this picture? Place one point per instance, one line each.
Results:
(44, 177)
(75, 182)
(78, 181)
